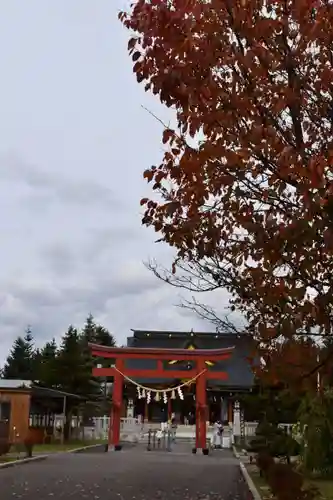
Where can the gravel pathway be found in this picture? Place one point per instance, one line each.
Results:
(126, 475)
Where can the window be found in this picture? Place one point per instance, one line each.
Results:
(5, 410)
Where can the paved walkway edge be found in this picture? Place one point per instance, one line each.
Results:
(23, 461)
(84, 448)
(250, 484)
(39, 458)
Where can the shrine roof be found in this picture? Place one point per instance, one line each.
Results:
(182, 334)
(180, 339)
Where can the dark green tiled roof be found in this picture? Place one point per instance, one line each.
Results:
(238, 367)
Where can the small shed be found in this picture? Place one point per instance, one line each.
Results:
(28, 411)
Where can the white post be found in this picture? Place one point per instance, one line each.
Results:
(237, 420)
(63, 420)
(222, 411)
(130, 409)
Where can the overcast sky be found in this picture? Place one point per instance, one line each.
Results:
(74, 141)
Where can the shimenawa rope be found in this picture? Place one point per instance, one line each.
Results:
(161, 391)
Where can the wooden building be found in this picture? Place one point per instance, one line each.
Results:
(27, 411)
(221, 394)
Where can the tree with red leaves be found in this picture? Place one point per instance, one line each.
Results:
(246, 179)
(289, 364)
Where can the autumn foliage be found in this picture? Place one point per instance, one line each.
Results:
(292, 363)
(247, 176)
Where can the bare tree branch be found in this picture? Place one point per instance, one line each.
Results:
(198, 277)
(206, 312)
(206, 276)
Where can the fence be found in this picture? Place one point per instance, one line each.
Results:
(132, 429)
(129, 427)
(251, 427)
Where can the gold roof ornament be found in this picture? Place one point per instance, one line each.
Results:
(191, 347)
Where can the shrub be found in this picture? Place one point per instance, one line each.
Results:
(283, 479)
(266, 429)
(288, 484)
(264, 433)
(5, 446)
(264, 462)
(274, 440)
(257, 444)
(316, 427)
(293, 446)
(283, 445)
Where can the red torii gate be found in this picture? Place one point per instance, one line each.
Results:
(200, 370)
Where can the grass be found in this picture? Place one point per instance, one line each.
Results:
(58, 447)
(5, 459)
(325, 488)
(19, 452)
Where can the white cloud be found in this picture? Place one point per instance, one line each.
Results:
(74, 143)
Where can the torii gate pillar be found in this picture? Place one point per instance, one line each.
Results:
(115, 416)
(201, 408)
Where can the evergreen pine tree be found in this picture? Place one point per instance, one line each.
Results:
(20, 364)
(36, 364)
(88, 334)
(47, 368)
(104, 337)
(71, 371)
(71, 374)
(95, 334)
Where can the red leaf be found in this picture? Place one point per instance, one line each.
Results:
(131, 43)
(167, 134)
(136, 56)
(148, 174)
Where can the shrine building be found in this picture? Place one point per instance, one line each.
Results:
(235, 374)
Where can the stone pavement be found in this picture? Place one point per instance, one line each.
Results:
(126, 475)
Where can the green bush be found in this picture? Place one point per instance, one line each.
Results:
(284, 481)
(274, 441)
(260, 442)
(257, 444)
(266, 429)
(283, 445)
(316, 426)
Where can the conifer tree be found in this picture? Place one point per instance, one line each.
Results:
(48, 365)
(20, 363)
